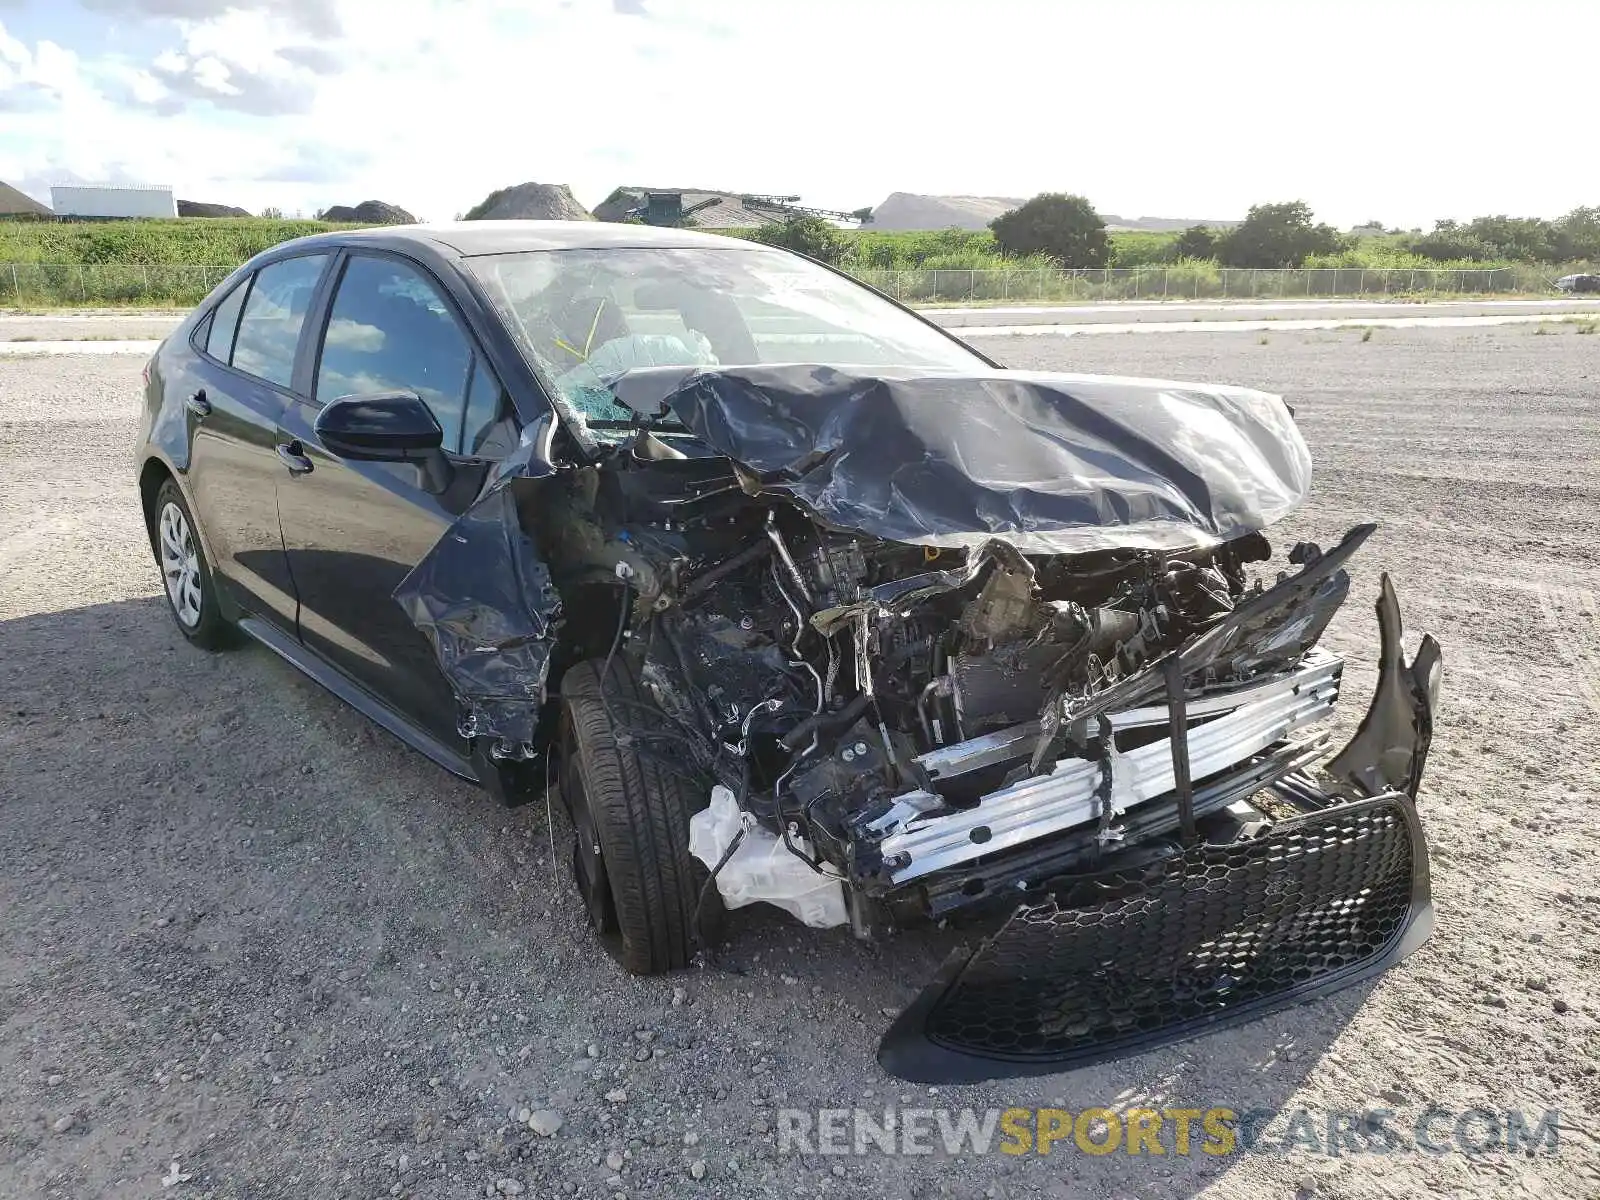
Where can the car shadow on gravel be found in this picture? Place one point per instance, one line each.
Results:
(215, 876)
(837, 996)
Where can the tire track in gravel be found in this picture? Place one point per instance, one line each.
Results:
(1572, 619)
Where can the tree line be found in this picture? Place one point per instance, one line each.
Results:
(1066, 230)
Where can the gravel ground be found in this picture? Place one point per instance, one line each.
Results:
(247, 933)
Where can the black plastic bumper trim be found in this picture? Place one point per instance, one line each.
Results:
(927, 1044)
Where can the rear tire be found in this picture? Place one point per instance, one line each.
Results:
(642, 888)
(186, 578)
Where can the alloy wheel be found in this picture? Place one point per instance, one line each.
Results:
(180, 565)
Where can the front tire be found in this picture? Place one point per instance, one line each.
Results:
(185, 575)
(642, 888)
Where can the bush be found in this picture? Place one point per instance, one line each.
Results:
(1066, 228)
(1525, 239)
(1578, 234)
(812, 236)
(1449, 242)
(1197, 241)
(1372, 256)
(1141, 248)
(214, 241)
(1277, 235)
(878, 253)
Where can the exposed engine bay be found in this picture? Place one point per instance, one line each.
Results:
(1074, 616)
(937, 646)
(823, 677)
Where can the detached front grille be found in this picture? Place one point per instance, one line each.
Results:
(1135, 956)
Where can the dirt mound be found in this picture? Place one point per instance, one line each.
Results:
(1162, 224)
(906, 210)
(530, 202)
(199, 208)
(369, 212)
(694, 208)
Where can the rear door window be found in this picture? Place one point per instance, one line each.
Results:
(390, 331)
(269, 329)
(224, 321)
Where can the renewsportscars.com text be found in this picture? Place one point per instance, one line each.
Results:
(1148, 1132)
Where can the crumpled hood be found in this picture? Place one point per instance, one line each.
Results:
(1050, 463)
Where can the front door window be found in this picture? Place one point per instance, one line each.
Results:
(391, 331)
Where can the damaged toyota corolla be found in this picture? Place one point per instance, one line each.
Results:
(788, 596)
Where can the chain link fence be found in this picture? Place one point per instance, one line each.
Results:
(182, 285)
(176, 284)
(1186, 282)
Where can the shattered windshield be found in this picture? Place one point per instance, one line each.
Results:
(590, 318)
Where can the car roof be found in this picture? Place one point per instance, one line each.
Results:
(502, 237)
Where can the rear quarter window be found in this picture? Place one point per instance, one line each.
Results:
(225, 321)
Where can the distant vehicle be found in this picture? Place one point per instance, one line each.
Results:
(1579, 283)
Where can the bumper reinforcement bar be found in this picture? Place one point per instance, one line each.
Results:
(919, 837)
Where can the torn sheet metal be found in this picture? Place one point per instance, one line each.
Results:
(1052, 464)
(1390, 747)
(484, 599)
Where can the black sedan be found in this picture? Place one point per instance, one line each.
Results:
(793, 598)
(1579, 283)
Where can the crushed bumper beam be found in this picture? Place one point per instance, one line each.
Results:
(919, 837)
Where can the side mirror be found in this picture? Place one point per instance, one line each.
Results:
(380, 427)
(386, 427)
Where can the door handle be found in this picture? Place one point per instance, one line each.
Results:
(198, 404)
(293, 455)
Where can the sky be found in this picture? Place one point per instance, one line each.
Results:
(1403, 111)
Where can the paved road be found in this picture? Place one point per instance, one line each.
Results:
(137, 332)
(1141, 311)
(138, 325)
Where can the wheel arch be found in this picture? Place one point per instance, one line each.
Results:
(152, 475)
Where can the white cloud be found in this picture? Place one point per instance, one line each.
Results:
(144, 87)
(1150, 107)
(211, 73)
(46, 67)
(354, 336)
(12, 52)
(318, 17)
(250, 40)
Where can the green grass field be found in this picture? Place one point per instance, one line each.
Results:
(228, 241)
(209, 241)
(176, 262)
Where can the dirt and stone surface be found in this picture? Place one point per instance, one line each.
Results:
(251, 946)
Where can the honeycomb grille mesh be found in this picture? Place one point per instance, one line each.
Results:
(1134, 952)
